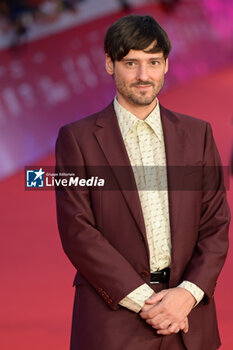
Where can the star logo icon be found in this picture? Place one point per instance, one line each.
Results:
(35, 178)
(39, 174)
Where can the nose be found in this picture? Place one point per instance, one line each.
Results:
(142, 73)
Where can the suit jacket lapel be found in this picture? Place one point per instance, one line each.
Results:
(109, 137)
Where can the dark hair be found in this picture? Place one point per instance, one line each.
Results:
(137, 33)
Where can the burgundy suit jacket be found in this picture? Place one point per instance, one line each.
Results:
(103, 232)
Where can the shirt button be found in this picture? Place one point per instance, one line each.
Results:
(145, 274)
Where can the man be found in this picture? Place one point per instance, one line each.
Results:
(147, 259)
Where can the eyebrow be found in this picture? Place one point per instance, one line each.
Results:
(135, 59)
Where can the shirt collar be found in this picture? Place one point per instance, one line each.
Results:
(127, 120)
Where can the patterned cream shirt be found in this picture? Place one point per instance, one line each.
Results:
(144, 143)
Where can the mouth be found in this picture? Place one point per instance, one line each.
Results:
(143, 86)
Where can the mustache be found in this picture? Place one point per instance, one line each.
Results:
(142, 83)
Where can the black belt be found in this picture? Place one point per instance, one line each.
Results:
(161, 276)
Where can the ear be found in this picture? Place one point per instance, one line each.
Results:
(166, 66)
(109, 66)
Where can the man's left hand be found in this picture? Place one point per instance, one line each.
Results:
(168, 307)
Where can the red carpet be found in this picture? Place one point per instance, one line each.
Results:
(36, 279)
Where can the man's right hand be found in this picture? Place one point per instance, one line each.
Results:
(166, 329)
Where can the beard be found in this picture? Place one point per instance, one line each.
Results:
(139, 98)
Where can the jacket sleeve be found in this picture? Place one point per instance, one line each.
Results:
(212, 245)
(88, 250)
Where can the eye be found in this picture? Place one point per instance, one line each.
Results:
(154, 63)
(130, 64)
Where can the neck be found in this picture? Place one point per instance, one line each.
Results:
(141, 112)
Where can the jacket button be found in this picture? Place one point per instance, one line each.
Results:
(145, 274)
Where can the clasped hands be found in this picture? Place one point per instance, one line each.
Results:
(167, 310)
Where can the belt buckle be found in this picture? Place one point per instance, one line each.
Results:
(155, 282)
(163, 276)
